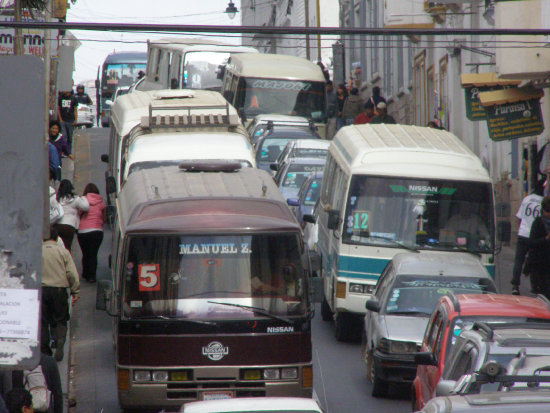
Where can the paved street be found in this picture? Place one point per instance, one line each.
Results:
(340, 379)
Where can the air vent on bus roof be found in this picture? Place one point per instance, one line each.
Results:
(210, 166)
(174, 94)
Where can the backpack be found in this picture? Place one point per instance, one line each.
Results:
(35, 382)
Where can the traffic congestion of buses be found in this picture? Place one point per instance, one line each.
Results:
(233, 215)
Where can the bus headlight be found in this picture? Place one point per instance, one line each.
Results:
(289, 373)
(361, 288)
(161, 375)
(272, 374)
(142, 375)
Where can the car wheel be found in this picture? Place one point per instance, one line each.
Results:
(342, 326)
(326, 312)
(413, 399)
(379, 386)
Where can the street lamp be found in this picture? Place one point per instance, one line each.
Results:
(231, 10)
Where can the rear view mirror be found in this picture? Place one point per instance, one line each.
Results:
(293, 202)
(333, 219)
(105, 158)
(425, 358)
(445, 387)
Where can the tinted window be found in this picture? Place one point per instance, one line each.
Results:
(296, 174)
(313, 192)
(270, 148)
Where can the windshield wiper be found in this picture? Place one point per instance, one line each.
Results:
(460, 248)
(256, 310)
(172, 318)
(399, 244)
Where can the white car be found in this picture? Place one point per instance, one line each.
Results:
(254, 404)
(85, 115)
(259, 125)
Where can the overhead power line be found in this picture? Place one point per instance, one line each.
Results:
(264, 30)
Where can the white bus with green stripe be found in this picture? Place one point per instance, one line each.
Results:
(392, 188)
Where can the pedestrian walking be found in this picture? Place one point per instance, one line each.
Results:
(382, 116)
(527, 212)
(67, 107)
(538, 264)
(81, 97)
(332, 109)
(366, 115)
(54, 164)
(58, 274)
(353, 106)
(90, 231)
(72, 205)
(341, 95)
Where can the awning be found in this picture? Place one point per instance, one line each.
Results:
(485, 79)
(512, 95)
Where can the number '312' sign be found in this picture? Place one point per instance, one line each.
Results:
(149, 277)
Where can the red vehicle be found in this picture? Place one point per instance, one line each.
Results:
(454, 313)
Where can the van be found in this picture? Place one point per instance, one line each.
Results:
(257, 83)
(162, 113)
(395, 188)
(210, 288)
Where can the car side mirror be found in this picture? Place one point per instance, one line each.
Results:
(373, 305)
(333, 219)
(445, 387)
(274, 167)
(110, 185)
(293, 202)
(424, 358)
(105, 158)
(312, 219)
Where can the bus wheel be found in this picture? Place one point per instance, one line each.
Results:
(342, 326)
(326, 312)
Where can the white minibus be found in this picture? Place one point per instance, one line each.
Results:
(159, 113)
(392, 188)
(267, 83)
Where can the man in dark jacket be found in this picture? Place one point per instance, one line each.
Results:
(539, 241)
(382, 116)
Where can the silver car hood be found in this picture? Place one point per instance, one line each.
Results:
(405, 328)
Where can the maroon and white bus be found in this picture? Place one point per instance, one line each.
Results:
(210, 288)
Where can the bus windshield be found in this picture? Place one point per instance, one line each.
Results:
(419, 213)
(286, 97)
(120, 74)
(213, 277)
(200, 70)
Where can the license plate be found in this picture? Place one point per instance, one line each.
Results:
(217, 395)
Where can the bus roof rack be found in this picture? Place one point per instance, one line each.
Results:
(209, 166)
(187, 118)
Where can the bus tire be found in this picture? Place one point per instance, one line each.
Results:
(326, 312)
(342, 326)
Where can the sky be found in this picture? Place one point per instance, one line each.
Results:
(97, 45)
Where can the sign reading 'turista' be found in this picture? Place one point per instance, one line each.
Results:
(513, 113)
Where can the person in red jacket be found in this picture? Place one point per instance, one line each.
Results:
(90, 231)
(366, 115)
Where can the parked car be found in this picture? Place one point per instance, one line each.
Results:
(260, 123)
(294, 172)
(85, 115)
(270, 145)
(302, 148)
(254, 404)
(403, 300)
(453, 314)
(485, 342)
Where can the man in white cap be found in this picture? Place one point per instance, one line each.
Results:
(382, 114)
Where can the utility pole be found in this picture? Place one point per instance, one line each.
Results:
(18, 49)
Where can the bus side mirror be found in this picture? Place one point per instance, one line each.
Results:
(333, 219)
(97, 84)
(103, 295)
(174, 84)
(373, 305)
(110, 184)
(105, 158)
(504, 231)
(220, 72)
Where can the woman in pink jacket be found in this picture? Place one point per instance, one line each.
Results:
(90, 231)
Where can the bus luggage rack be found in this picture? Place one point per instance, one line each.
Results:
(188, 119)
(191, 391)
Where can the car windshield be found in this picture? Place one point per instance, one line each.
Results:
(213, 277)
(420, 213)
(287, 97)
(297, 173)
(416, 294)
(313, 192)
(270, 149)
